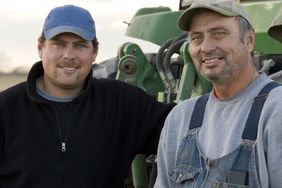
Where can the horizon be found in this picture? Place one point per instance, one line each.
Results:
(22, 22)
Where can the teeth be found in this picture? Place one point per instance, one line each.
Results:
(210, 60)
(69, 68)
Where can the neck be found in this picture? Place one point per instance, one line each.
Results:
(60, 92)
(235, 86)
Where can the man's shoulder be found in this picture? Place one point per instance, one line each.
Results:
(275, 94)
(14, 90)
(13, 94)
(108, 82)
(112, 85)
(188, 102)
(185, 107)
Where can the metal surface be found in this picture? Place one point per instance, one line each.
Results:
(134, 68)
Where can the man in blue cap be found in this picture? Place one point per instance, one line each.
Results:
(62, 128)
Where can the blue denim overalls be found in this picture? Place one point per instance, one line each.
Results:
(236, 169)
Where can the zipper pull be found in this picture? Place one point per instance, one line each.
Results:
(63, 148)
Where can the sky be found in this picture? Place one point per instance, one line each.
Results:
(21, 23)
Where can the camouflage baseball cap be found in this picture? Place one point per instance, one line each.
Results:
(275, 29)
(224, 7)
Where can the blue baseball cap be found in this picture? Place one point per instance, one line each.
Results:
(69, 19)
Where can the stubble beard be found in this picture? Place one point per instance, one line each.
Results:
(227, 75)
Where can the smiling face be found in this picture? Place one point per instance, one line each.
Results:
(67, 60)
(217, 48)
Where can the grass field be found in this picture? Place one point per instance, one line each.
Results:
(7, 80)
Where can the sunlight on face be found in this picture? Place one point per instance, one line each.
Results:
(67, 60)
(215, 46)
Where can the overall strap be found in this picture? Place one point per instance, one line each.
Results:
(198, 112)
(250, 131)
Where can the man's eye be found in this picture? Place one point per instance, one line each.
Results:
(219, 34)
(81, 45)
(58, 43)
(196, 39)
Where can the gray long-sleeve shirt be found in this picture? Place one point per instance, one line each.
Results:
(221, 132)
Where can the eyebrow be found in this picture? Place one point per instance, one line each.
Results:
(217, 28)
(212, 29)
(61, 40)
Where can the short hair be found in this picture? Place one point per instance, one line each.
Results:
(244, 25)
(42, 39)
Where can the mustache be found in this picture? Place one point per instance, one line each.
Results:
(69, 64)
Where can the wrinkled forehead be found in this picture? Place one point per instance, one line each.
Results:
(207, 18)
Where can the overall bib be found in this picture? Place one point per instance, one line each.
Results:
(234, 170)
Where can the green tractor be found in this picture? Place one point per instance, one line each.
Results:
(169, 73)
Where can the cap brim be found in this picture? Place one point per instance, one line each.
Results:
(186, 16)
(85, 34)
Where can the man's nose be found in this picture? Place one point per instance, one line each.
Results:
(69, 53)
(207, 45)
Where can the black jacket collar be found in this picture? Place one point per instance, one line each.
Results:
(37, 71)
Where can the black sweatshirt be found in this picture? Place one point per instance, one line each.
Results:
(108, 124)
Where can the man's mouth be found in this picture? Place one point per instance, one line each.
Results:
(211, 60)
(69, 69)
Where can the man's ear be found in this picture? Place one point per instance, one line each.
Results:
(39, 50)
(250, 40)
(94, 57)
